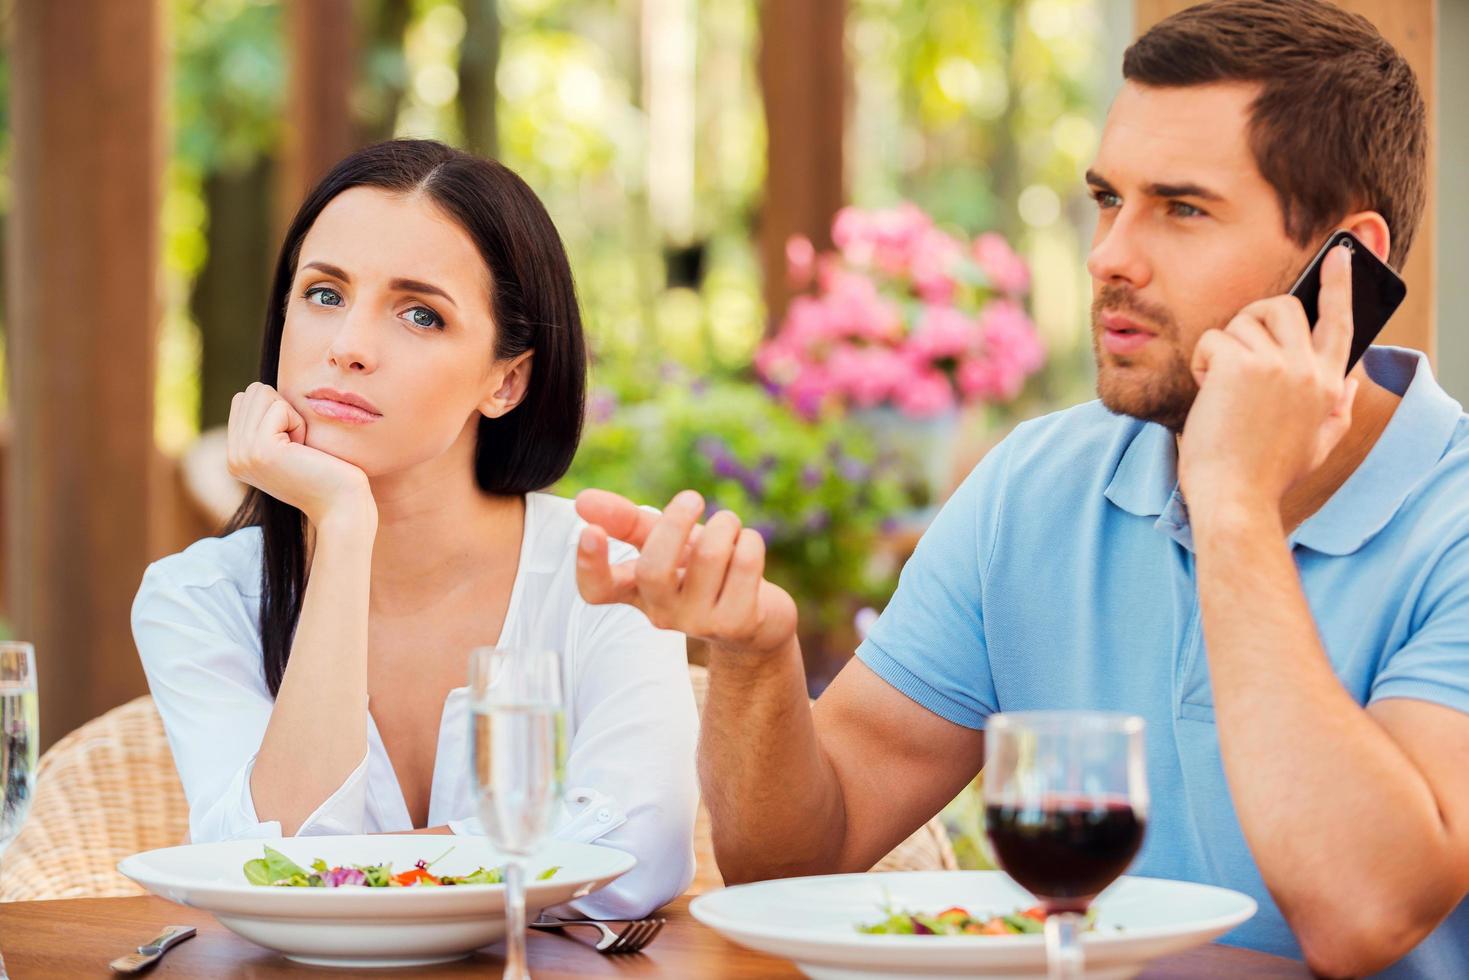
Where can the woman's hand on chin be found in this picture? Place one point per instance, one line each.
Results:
(267, 450)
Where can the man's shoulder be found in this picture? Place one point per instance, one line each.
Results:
(1075, 449)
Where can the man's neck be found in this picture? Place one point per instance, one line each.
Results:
(1371, 413)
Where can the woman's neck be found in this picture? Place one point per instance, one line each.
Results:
(438, 533)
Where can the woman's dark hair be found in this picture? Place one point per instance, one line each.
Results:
(533, 303)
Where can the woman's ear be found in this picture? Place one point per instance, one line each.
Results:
(510, 381)
(1371, 228)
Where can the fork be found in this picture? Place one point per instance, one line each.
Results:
(631, 939)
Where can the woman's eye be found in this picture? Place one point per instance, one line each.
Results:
(424, 317)
(323, 296)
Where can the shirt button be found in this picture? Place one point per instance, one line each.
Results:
(604, 814)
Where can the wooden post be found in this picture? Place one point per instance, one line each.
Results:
(1411, 26)
(83, 314)
(321, 42)
(803, 77)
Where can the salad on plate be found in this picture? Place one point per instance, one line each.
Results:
(958, 921)
(277, 870)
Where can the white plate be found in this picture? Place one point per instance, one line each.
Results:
(813, 921)
(368, 927)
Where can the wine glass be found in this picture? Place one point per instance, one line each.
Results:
(517, 751)
(20, 737)
(1066, 802)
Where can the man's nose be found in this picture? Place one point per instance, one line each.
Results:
(1117, 256)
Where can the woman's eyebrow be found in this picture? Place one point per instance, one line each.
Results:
(402, 285)
(419, 286)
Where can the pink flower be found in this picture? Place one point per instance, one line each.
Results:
(778, 361)
(810, 390)
(931, 265)
(1009, 336)
(857, 309)
(927, 394)
(800, 261)
(1006, 270)
(944, 332)
(886, 239)
(868, 376)
(1011, 352)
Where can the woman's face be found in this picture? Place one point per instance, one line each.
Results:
(388, 347)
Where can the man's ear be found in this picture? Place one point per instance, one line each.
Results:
(1372, 229)
(511, 380)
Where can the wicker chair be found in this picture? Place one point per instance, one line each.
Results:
(109, 789)
(928, 849)
(103, 792)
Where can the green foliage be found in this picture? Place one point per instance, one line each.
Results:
(818, 492)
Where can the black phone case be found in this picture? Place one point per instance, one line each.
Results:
(1376, 292)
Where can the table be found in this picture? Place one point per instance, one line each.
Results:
(77, 938)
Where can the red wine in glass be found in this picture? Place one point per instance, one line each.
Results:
(1066, 803)
(1065, 851)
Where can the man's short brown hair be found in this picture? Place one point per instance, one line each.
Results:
(1338, 125)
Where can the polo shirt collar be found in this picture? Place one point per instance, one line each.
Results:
(1146, 480)
(1415, 439)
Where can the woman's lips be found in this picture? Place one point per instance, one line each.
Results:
(1123, 336)
(330, 408)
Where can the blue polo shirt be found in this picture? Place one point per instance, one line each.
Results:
(1061, 575)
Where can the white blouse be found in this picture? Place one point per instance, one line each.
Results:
(630, 780)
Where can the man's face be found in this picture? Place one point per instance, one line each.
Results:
(1188, 233)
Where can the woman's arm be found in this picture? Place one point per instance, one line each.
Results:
(317, 735)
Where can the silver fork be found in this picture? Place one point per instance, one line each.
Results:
(631, 939)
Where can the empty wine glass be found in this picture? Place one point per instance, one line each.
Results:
(1066, 802)
(517, 750)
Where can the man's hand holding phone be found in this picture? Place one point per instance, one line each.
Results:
(1273, 401)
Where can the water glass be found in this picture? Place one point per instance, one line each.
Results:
(517, 751)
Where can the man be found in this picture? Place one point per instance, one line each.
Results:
(1267, 561)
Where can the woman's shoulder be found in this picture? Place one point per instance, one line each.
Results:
(556, 528)
(232, 559)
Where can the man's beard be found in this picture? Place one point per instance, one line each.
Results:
(1163, 395)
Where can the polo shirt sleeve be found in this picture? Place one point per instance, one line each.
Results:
(929, 642)
(1433, 665)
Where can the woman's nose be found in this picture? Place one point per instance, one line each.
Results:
(352, 348)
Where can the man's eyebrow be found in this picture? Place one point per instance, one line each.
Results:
(1164, 190)
(402, 285)
(1182, 190)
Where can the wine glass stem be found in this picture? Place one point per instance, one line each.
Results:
(1063, 945)
(515, 967)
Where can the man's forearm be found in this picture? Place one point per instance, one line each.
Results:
(1344, 828)
(774, 799)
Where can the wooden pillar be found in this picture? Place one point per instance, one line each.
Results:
(321, 43)
(803, 78)
(1411, 26)
(83, 311)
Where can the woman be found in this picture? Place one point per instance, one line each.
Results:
(422, 376)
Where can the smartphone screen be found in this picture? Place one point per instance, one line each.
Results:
(1376, 292)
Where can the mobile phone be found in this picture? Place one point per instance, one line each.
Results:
(1377, 291)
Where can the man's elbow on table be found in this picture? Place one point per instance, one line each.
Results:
(1358, 935)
